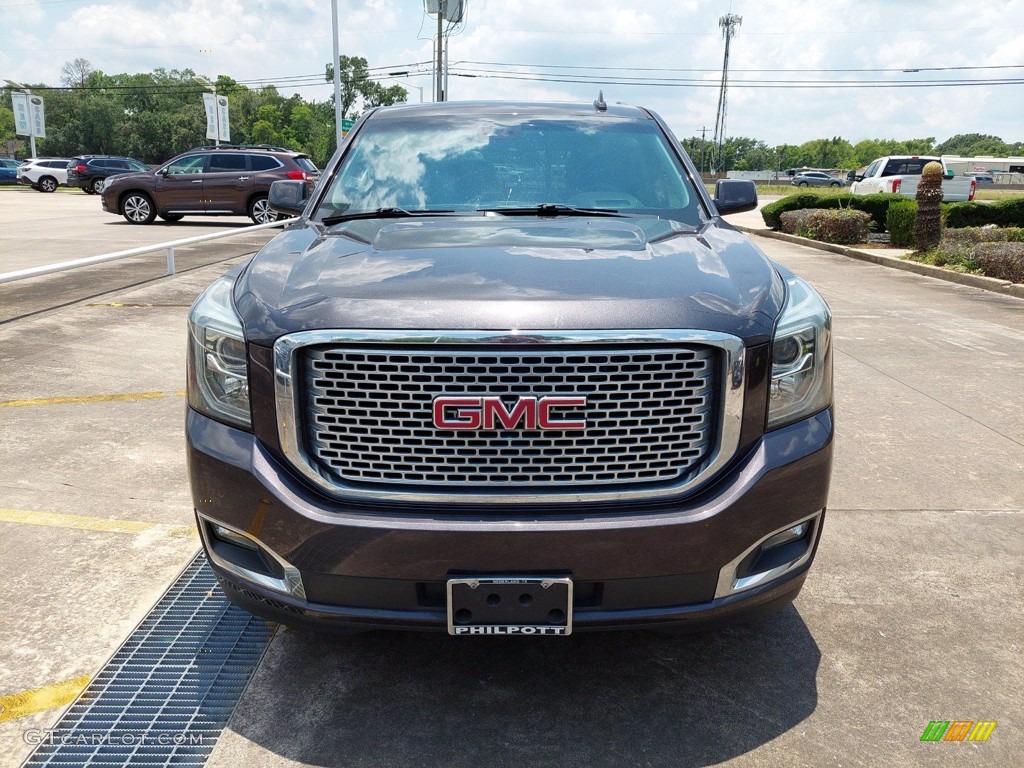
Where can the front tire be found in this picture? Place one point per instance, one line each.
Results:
(47, 184)
(96, 186)
(137, 208)
(260, 212)
(802, 184)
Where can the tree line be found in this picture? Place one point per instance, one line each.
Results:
(741, 153)
(155, 115)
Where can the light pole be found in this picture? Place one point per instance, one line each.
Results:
(31, 127)
(391, 76)
(337, 75)
(216, 110)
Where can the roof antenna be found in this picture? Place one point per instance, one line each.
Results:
(599, 104)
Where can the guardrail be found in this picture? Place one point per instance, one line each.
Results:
(21, 274)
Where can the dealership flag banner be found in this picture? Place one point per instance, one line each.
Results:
(210, 102)
(37, 116)
(223, 124)
(217, 119)
(19, 103)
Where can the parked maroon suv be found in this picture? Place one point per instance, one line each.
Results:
(208, 181)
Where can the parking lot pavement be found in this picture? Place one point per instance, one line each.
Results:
(38, 228)
(911, 614)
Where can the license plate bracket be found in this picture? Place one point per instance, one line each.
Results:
(510, 605)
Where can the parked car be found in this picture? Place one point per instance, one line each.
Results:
(510, 372)
(817, 179)
(88, 172)
(8, 170)
(44, 174)
(208, 181)
(900, 174)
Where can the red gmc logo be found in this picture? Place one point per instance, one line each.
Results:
(462, 413)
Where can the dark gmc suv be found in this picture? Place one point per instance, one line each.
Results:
(510, 373)
(208, 181)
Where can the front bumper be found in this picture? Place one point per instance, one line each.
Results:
(361, 566)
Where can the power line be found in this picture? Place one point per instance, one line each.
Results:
(734, 69)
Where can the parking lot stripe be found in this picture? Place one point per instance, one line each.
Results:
(85, 523)
(41, 699)
(90, 399)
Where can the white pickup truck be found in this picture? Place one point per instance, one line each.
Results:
(899, 174)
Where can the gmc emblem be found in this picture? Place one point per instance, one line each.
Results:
(463, 413)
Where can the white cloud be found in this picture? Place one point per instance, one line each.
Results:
(255, 39)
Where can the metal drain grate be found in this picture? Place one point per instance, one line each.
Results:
(165, 696)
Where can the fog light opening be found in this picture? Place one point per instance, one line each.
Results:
(772, 557)
(245, 557)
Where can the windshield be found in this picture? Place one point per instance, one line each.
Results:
(467, 163)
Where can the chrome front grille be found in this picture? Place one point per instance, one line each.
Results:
(355, 411)
(649, 415)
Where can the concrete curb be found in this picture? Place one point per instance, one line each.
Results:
(975, 281)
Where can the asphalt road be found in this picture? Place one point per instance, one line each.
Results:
(911, 613)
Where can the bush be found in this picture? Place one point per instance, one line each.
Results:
(772, 213)
(877, 206)
(793, 222)
(900, 222)
(1003, 213)
(840, 227)
(1001, 260)
(968, 236)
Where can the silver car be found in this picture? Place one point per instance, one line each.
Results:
(817, 179)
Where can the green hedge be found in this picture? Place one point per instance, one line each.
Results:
(876, 206)
(1003, 213)
(899, 220)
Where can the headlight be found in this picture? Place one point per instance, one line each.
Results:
(801, 382)
(218, 375)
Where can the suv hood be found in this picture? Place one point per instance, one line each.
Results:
(502, 273)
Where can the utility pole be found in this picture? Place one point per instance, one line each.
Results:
(728, 24)
(703, 146)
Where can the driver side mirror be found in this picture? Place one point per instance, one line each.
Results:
(735, 196)
(288, 197)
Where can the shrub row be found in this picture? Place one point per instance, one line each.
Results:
(1001, 260)
(1003, 213)
(995, 251)
(876, 206)
(842, 227)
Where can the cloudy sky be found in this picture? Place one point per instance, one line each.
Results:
(664, 54)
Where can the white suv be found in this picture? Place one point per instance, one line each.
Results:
(44, 173)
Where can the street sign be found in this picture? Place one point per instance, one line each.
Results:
(346, 126)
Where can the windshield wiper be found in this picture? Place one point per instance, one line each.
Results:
(380, 213)
(554, 209)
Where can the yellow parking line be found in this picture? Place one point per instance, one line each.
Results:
(90, 399)
(41, 699)
(85, 523)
